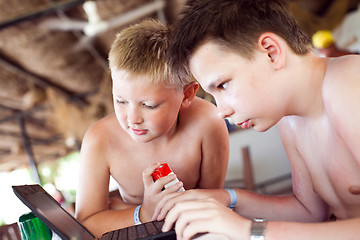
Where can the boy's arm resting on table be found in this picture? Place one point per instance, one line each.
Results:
(337, 230)
(92, 207)
(305, 205)
(208, 215)
(252, 205)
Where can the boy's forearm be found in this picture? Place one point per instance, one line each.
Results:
(109, 220)
(283, 208)
(339, 230)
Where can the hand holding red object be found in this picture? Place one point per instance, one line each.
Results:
(154, 191)
(162, 171)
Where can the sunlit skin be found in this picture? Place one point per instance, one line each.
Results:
(315, 102)
(152, 124)
(144, 110)
(242, 91)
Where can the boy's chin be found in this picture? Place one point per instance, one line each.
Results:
(141, 139)
(262, 127)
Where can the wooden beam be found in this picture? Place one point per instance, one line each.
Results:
(21, 114)
(39, 11)
(40, 81)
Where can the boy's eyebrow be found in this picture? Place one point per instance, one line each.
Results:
(213, 83)
(117, 96)
(212, 86)
(113, 93)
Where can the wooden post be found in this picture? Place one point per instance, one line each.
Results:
(28, 149)
(248, 171)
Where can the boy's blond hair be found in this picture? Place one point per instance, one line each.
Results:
(142, 49)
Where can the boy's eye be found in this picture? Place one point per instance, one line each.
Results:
(150, 106)
(222, 85)
(120, 101)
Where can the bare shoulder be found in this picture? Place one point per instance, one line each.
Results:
(98, 128)
(200, 108)
(201, 114)
(100, 143)
(101, 132)
(342, 84)
(342, 73)
(202, 121)
(341, 96)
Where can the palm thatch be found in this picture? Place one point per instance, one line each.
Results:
(54, 82)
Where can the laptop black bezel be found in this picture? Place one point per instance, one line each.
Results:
(40, 215)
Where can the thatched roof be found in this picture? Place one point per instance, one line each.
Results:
(54, 83)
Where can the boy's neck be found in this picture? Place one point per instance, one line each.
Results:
(309, 79)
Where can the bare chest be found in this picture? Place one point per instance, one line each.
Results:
(127, 168)
(334, 172)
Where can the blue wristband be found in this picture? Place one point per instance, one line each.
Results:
(136, 215)
(233, 197)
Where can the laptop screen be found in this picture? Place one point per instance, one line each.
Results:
(51, 213)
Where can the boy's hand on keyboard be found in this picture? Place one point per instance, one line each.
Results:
(170, 200)
(154, 192)
(206, 216)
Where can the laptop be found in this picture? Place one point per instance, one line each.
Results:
(67, 227)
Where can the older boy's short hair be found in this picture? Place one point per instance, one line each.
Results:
(142, 49)
(235, 24)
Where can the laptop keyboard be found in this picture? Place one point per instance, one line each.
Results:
(149, 230)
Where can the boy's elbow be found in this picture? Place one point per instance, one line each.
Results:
(323, 216)
(80, 217)
(319, 215)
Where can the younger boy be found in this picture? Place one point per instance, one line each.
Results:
(157, 119)
(260, 67)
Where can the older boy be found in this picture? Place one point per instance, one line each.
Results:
(259, 65)
(156, 120)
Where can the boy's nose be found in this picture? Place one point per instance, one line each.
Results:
(223, 111)
(134, 117)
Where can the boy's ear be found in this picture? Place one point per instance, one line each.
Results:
(274, 47)
(189, 93)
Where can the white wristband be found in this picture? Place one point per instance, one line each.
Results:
(233, 197)
(136, 215)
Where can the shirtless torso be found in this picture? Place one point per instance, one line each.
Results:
(322, 149)
(127, 162)
(196, 150)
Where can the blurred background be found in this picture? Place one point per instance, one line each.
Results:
(55, 83)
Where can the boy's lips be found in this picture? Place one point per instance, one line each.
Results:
(138, 131)
(245, 124)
